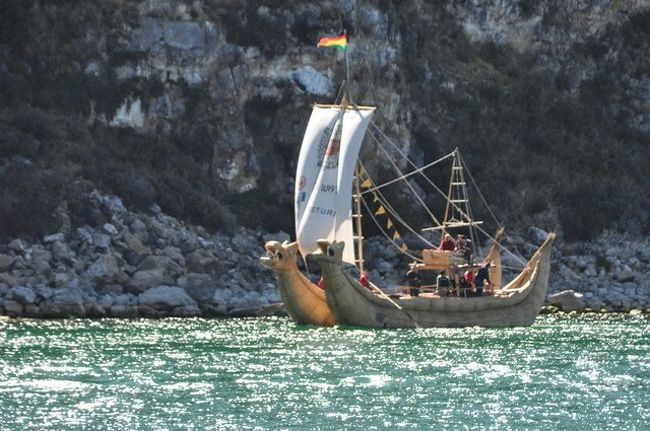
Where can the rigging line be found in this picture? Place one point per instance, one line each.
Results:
(409, 161)
(381, 293)
(381, 229)
(427, 179)
(339, 95)
(394, 213)
(501, 246)
(516, 268)
(418, 198)
(435, 187)
(520, 258)
(416, 171)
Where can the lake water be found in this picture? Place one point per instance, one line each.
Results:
(269, 374)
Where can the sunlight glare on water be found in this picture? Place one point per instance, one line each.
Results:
(269, 374)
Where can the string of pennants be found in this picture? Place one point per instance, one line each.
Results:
(379, 211)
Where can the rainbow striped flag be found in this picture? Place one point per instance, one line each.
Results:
(340, 42)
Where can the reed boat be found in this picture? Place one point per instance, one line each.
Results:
(333, 187)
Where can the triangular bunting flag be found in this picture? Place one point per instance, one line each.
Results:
(389, 224)
(380, 211)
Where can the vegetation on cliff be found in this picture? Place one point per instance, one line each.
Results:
(121, 96)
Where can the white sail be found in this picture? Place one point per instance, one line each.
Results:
(328, 209)
(355, 124)
(312, 151)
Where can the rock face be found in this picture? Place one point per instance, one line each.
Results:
(228, 87)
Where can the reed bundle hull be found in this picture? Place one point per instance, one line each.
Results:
(304, 301)
(518, 304)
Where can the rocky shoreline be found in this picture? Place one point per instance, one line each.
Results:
(153, 265)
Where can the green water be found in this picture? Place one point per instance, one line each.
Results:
(268, 374)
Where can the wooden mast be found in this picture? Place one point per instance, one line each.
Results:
(356, 215)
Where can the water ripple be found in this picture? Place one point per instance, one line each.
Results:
(268, 374)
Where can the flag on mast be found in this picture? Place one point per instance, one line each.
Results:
(340, 42)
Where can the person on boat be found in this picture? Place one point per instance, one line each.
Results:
(443, 283)
(482, 277)
(465, 289)
(413, 280)
(364, 281)
(448, 243)
(469, 278)
(464, 248)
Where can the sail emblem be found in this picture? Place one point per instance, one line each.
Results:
(328, 151)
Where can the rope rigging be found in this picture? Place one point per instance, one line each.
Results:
(464, 216)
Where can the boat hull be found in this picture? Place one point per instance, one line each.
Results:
(519, 304)
(304, 301)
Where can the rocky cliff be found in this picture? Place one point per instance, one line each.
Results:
(199, 106)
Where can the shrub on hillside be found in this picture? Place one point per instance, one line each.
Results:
(28, 197)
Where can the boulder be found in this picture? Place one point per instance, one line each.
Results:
(202, 261)
(625, 276)
(54, 237)
(165, 298)
(189, 244)
(5, 262)
(64, 303)
(186, 311)
(22, 295)
(115, 289)
(139, 229)
(101, 240)
(13, 308)
(84, 234)
(106, 301)
(61, 252)
(165, 263)
(18, 245)
(103, 270)
(567, 301)
(109, 229)
(135, 250)
(43, 268)
(7, 279)
(143, 280)
(200, 287)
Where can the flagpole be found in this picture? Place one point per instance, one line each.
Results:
(347, 69)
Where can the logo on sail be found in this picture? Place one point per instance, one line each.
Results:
(329, 147)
